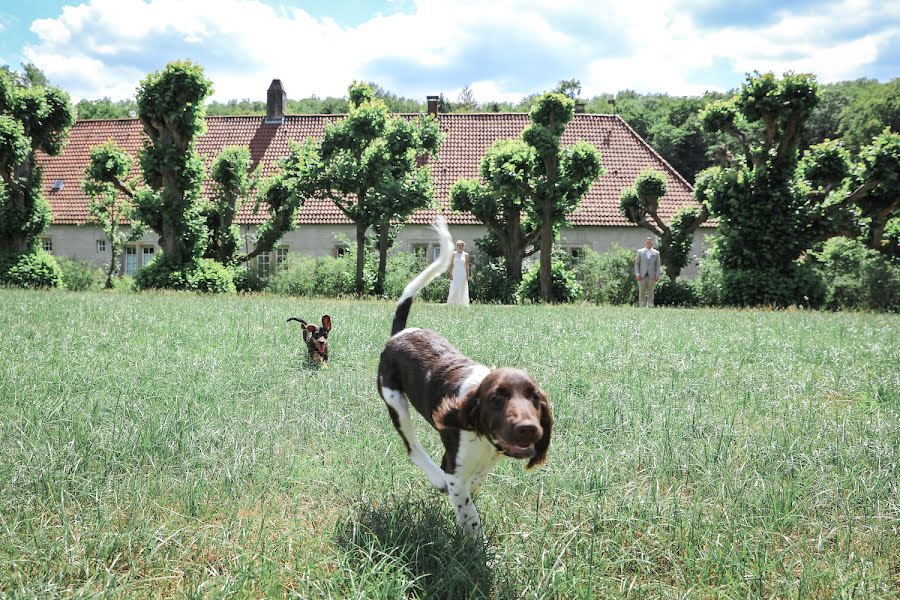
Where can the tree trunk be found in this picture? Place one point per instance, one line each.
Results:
(112, 266)
(360, 258)
(546, 276)
(383, 233)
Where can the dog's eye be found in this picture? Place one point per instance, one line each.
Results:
(498, 397)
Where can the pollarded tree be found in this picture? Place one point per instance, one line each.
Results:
(871, 186)
(765, 222)
(640, 205)
(500, 200)
(367, 165)
(198, 237)
(32, 119)
(108, 208)
(771, 207)
(560, 176)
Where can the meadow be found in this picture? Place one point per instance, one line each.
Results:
(158, 445)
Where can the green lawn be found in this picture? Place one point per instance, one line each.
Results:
(161, 444)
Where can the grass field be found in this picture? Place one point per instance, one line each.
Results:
(158, 445)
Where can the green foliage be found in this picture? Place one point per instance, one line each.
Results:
(825, 165)
(202, 275)
(708, 283)
(80, 276)
(402, 268)
(33, 118)
(640, 204)
(366, 164)
(766, 221)
(32, 269)
(105, 108)
(607, 278)
(490, 283)
(232, 184)
(314, 276)
(858, 277)
(675, 293)
(565, 286)
(871, 108)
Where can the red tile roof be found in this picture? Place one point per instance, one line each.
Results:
(624, 155)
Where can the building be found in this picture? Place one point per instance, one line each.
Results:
(597, 222)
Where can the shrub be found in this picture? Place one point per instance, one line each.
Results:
(564, 287)
(249, 280)
(80, 276)
(402, 267)
(708, 283)
(205, 275)
(607, 278)
(857, 277)
(489, 282)
(675, 293)
(314, 276)
(33, 269)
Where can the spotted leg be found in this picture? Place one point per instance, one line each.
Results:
(398, 408)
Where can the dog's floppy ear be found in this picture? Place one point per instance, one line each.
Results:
(543, 444)
(326, 322)
(458, 413)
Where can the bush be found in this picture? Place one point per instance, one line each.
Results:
(489, 282)
(205, 275)
(80, 276)
(607, 278)
(402, 268)
(708, 283)
(855, 276)
(33, 269)
(314, 276)
(249, 280)
(675, 293)
(564, 287)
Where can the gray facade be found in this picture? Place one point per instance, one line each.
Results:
(87, 242)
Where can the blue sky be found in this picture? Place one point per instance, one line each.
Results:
(502, 49)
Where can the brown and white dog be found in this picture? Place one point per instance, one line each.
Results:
(316, 339)
(481, 414)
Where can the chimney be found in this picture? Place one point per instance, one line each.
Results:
(432, 105)
(276, 101)
(579, 107)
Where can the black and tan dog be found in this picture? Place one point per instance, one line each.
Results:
(316, 338)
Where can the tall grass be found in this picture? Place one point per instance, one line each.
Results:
(171, 444)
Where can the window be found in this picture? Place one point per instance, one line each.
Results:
(339, 250)
(262, 263)
(281, 254)
(47, 244)
(148, 255)
(436, 252)
(101, 246)
(131, 258)
(420, 250)
(573, 251)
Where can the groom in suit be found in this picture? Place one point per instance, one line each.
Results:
(647, 271)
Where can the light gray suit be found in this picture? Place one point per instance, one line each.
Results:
(646, 266)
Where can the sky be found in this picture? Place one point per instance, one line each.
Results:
(502, 49)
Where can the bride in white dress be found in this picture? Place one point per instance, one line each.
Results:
(459, 276)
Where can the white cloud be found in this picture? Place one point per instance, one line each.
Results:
(104, 47)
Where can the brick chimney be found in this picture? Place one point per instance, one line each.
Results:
(276, 101)
(432, 102)
(580, 106)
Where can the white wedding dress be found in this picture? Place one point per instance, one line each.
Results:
(459, 286)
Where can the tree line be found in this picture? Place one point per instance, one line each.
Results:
(774, 195)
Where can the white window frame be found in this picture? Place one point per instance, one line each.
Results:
(281, 254)
(130, 251)
(101, 246)
(145, 254)
(47, 244)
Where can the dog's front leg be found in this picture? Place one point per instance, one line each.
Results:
(460, 491)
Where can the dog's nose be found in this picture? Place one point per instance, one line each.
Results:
(527, 432)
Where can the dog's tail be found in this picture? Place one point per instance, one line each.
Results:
(440, 265)
(298, 319)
